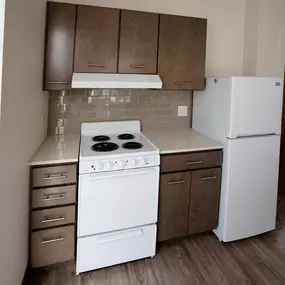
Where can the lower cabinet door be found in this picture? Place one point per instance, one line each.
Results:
(173, 205)
(204, 200)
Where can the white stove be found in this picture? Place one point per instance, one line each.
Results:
(118, 195)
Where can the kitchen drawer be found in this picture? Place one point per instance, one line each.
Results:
(53, 217)
(52, 246)
(190, 161)
(55, 196)
(54, 175)
(98, 251)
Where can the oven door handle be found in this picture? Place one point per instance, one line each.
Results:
(114, 175)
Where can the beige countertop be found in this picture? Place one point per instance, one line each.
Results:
(65, 148)
(184, 140)
(57, 149)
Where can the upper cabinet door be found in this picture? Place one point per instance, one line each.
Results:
(138, 42)
(97, 36)
(60, 32)
(182, 52)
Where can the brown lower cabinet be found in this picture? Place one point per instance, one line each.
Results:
(174, 205)
(188, 200)
(53, 214)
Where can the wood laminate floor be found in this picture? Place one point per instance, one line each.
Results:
(196, 260)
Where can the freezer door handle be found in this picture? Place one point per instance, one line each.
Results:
(255, 135)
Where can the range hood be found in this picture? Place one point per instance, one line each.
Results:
(106, 80)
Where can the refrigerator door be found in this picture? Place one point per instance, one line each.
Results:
(249, 187)
(256, 106)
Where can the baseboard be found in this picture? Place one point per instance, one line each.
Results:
(26, 277)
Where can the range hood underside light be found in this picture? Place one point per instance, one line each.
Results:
(115, 81)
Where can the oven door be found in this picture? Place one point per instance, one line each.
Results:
(117, 200)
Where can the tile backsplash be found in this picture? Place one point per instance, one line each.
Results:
(155, 109)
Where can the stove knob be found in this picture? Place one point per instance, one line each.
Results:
(99, 165)
(122, 163)
(131, 163)
(110, 165)
(140, 162)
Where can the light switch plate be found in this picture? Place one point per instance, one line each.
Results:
(182, 111)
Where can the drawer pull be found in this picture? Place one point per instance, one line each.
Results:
(52, 240)
(138, 66)
(193, 162)
(176, 182)
(208, 178)
(58, 82)
(51, 197)
(119, 236)
(182, 83)
(54, 176)
(95, 65)
(47, 220)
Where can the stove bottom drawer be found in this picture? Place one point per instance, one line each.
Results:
(113, 248)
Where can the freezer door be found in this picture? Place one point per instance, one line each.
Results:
(249, 187)
(256, 106)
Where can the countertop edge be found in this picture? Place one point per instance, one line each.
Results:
(53, 162)
(191, 150)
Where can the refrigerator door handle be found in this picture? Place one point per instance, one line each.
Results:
(255, 135)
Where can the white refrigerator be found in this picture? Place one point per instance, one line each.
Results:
(244, 113)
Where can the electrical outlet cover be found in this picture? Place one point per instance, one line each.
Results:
(182, 111)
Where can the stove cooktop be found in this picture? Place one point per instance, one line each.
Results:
(115, 145)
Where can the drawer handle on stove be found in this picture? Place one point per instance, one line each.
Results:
(176, 182)
(59, 196)
(47, 220)
(52, 240)
(208, 178)
(193, 162)
(120, 236)
(119, 175)
(54, 176)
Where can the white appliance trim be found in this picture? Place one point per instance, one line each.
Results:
(118, 81)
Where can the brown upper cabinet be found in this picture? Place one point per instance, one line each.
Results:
(60, 32)
(90, 39)
(97, 36)
(138, 42)
(182, 52)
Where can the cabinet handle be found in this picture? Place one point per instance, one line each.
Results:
(59, 196)
(54, 176)
(176, 182)
(183, 83)
(95, 65)
(52, 240)
(47, 220)
(58, 82)
(193, 162)
(208, 178)
(138, 66)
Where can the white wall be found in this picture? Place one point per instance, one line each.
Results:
(21, 128)
(250, 37)
(271, 38)
(225, 26)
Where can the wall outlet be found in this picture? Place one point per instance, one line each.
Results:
(182, 111)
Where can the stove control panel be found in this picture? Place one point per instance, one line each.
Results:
(118, 164)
